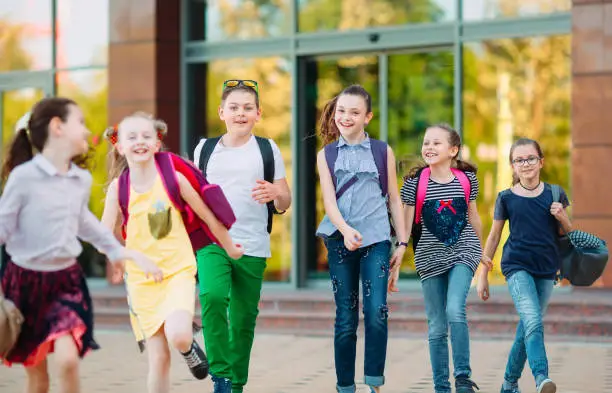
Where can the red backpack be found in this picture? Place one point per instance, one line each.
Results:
(168, 164)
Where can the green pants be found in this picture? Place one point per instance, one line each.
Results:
(225, 282)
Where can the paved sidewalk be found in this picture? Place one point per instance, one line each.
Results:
(289, 364)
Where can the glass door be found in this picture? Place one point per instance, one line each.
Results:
(18, 93)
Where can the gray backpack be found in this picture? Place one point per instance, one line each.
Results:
(583, 256)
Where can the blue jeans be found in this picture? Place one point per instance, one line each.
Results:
(345, 267)
(530, 296)
(445, 297)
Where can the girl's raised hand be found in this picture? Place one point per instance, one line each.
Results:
(557, 210)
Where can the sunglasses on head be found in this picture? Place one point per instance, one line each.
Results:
(241, 82)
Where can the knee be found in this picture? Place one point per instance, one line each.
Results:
(67, 363)
(533, 324)
(437, 328)
(455, 312)
(375, 314)
(214, 300)
(346, 321)
(181, 340)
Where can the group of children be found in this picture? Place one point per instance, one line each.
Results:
(45, 182)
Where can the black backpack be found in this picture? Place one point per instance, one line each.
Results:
(265, 147)
(583, 256)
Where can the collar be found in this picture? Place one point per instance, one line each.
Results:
(41, 162)
(364, 143)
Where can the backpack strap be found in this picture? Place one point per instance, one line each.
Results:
(123, 195)
(207, 151)
(421, 192)
(379, 151)
(556, 192)
(331, 155)
(465, 183)
(267, 156)
(167, 172)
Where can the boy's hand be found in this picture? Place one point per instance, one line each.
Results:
(265, 192)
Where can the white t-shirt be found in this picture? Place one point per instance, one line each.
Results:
(236, 170)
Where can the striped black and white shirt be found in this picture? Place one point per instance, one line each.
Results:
(432, 256)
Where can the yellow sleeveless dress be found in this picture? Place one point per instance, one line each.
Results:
(156, 229)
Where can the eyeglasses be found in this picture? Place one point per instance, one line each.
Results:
(241, 82)
(526, 161)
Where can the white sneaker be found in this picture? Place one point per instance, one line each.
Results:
(547, 386)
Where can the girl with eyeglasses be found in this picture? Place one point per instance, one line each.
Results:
(530, 259)
(251, 172)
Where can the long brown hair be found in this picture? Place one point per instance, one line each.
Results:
(455, 140)
(327, 125)
(523, 142)
(33, 135)
(116, 163)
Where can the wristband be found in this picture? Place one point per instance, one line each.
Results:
(398, 244)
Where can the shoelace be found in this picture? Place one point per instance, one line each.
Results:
(466, 382)
(192, 359)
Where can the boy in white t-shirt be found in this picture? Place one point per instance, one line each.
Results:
(251, 172)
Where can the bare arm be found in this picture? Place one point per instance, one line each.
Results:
(474, 219)
(192, 198)
(283, 200)
(111, 215)
(492, 242)
(329, 194)
(395, 202)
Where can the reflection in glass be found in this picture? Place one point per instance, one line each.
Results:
(516, 88)
(82, 33)
(15, 103)
(333, 75)
(89, 89)
(491, 9)
(318, 15)
(247, 19)
(25, 35)
(274, 80)
(420, 94)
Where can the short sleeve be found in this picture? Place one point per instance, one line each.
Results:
(279, 164)
(408, 191)
(500, 213)
(474, 186)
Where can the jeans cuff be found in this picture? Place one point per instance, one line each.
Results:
(346, 389)
(374, 381)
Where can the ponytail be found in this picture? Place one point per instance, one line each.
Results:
(327, 126)
(116, 163)
(19, 151)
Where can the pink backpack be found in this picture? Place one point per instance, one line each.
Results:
(421, 192)
(167, 165)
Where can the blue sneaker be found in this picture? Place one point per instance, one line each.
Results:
(222, 385)
(547, 386)
(465, 385)
(513, 389)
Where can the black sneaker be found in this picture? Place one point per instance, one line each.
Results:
(222, 385)
(465, 385)
(196, 361)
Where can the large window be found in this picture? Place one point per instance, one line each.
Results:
(493, 69)
(274, 79)
(71, 63)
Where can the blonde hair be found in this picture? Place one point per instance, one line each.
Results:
(116, 162)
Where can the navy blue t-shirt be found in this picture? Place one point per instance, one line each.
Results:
(532, 245)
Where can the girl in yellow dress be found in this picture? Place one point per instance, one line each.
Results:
(162, 313)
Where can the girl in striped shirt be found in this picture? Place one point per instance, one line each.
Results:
(443, 193)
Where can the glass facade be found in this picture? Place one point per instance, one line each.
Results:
(495, 69)
(58, 47)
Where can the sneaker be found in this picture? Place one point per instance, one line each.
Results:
(547, 386)
(196, 361)
(465, 385)
(513, 389)
(222, 385)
